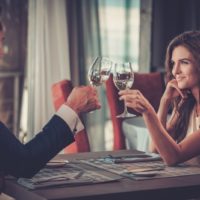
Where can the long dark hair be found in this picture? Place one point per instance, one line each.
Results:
(191, 41)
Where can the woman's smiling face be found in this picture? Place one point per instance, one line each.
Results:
(184, 68)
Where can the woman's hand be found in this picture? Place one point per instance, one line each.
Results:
(172, 91)
(134, 99)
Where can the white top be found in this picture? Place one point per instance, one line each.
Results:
(71, 118)
(194, 125)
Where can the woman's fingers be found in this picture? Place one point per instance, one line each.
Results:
(134, 99)
(136, 106)
(179, 91)
(173, 88)
(129, 94)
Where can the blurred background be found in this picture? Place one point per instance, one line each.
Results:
(50, 40)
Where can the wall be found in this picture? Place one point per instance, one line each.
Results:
(170, 18)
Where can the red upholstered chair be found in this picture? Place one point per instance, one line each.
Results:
(151, 85)
(60, 92)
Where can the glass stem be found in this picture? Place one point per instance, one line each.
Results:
(125, 108)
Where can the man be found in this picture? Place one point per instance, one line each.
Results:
(25, 160)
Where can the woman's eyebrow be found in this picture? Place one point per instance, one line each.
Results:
(186, 59)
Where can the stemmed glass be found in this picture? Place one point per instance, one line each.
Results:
(99, 71)
(123, 78)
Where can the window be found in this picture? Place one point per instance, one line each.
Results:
(119, 38)
(119, 28)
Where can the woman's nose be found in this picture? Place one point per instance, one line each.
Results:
(176, 69)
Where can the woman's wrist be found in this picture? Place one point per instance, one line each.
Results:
(149, 111)
(165, 101)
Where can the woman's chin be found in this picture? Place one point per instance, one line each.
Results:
(182, 86)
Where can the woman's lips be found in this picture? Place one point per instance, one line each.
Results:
(180, 78)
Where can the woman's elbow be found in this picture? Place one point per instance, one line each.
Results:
(172, 160)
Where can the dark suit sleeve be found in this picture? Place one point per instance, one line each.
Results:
(25, 160)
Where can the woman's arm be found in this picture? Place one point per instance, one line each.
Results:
(172, 91)
(162, 116)
(168, 124)
(170, 151)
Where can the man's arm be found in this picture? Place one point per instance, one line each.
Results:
(25, 160)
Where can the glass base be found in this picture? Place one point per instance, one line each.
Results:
(126, 115)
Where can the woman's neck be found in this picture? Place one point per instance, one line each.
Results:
(196, 93)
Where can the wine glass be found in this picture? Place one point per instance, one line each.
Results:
(99, 71)
(123, 78)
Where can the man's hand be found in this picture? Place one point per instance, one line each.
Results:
(83, 99)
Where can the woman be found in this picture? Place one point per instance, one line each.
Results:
(25, 160)
(177, 139)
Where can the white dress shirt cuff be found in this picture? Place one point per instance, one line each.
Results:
(71, 118)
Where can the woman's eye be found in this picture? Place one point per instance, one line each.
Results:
(184, 62)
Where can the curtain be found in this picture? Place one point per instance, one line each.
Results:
(144, 59)
(85, 45)
(48, 60)
(95, 30)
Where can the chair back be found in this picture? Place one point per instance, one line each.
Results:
(151, 85)
(60, 93)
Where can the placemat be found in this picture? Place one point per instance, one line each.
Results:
(67, 175)
(143, 169)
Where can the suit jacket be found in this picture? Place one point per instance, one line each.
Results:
(24, 160)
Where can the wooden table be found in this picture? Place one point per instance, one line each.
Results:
(184, 187)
